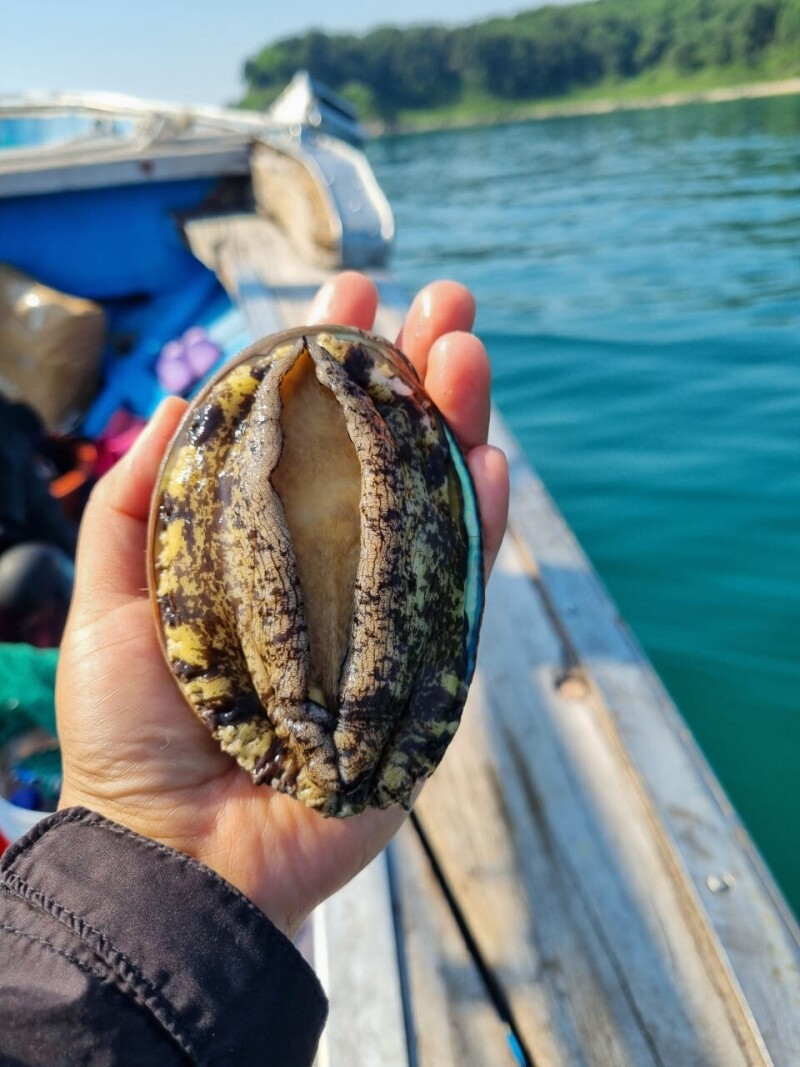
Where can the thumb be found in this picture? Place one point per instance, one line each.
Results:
(112, 547)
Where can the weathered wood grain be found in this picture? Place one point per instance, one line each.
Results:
(555, 856)
(750, 930)
(355, 956)
(451, 1016)
(259, 267)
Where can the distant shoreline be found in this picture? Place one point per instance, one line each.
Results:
(540, 111)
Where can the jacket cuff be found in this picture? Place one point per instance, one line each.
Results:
(188, 946)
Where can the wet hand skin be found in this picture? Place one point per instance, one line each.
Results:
(130, 749)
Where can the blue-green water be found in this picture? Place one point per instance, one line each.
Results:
(638, 281)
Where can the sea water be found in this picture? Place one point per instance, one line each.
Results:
(638, 284)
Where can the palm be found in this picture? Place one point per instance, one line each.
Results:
(153, 762)
(133, 752)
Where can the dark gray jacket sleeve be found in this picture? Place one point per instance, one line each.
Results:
(115, 949)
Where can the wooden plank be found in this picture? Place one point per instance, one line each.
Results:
(556, 860)
(258, 266)
(451, 1017)
(749, 923)
(354, 954)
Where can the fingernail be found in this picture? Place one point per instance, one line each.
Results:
(156, 418)
(320, 309)
(425, 302)
(152, 427)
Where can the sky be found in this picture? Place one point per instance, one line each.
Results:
(188, 51)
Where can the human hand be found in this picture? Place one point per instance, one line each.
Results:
(131, 748)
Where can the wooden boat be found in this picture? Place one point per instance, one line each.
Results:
(574, 887)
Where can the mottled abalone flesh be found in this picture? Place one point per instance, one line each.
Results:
(317, 569)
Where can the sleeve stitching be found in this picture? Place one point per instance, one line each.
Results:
(92, 817)
(278, 940)
(121, 967)
(15, 883)
(82, 964)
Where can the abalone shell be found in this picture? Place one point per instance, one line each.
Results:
(317, 569)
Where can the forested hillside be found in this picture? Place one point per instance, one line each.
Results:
(544, 53)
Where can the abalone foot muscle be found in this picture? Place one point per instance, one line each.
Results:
(316, 563)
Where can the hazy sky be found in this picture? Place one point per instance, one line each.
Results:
(184, 50)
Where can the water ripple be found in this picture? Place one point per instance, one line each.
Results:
(638, 282)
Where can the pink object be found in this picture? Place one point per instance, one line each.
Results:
(172, 350)
(122, 430)
(175, 375)
(193, 335)
(185, 361)
(201, 356)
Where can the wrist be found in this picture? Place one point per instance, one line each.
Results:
(208, 840)
(162, 930)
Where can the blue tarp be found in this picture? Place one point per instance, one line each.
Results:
(103, 243)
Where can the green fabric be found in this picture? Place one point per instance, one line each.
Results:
(27, 689)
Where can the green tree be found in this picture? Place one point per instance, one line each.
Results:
(538, 53)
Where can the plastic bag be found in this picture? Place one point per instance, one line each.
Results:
(50, 348)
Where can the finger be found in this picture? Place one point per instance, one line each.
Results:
(112, 545)
(489, 469)
(458, 381)
(350, 299)
(439, 308)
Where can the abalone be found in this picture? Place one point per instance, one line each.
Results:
(317, 570)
